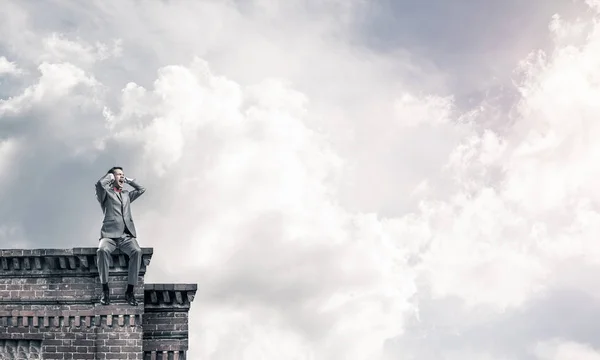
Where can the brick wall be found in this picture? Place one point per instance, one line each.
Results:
(49, 309)
(165, 320)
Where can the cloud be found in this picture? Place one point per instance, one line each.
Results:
(195, 134)
(8, 68)
(329, 203)
(327, 260)
(58, 48)
(56, 82)
(558, 350)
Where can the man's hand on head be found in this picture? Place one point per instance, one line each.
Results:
(128, 180)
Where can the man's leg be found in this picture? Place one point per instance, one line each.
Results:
(130, 246)
(105, 248)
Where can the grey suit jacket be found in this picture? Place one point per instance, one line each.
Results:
(116, 207)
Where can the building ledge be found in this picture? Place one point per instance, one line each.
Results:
(164, 297)
(64, 262)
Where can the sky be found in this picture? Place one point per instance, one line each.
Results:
(343, 179)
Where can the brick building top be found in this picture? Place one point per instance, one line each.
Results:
(49, 308)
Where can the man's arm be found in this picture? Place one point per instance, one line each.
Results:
(102, 186)
(139, 189)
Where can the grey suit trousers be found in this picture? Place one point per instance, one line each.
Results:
(126, 244)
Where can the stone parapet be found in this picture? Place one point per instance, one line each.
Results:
(76, 262)
(63, 276)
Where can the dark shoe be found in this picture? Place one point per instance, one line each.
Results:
(130, 298)
(105, 298)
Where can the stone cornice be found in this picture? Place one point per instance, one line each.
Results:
(24, 263)
(166, 354)
(99, 316)
(108, 320)
(168, 297)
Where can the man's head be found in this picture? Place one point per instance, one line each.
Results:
(117, 171)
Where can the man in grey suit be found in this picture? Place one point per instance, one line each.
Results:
(118, 230)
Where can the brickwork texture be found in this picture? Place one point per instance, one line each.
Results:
(49, 309)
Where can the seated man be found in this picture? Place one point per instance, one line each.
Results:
(118, 231)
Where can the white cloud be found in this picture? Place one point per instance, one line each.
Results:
(314, 191)
(565, 350)
(431, 110)
(260, 205)
(57, 47)
(57, 81)
(8, 67)
(539, 175)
